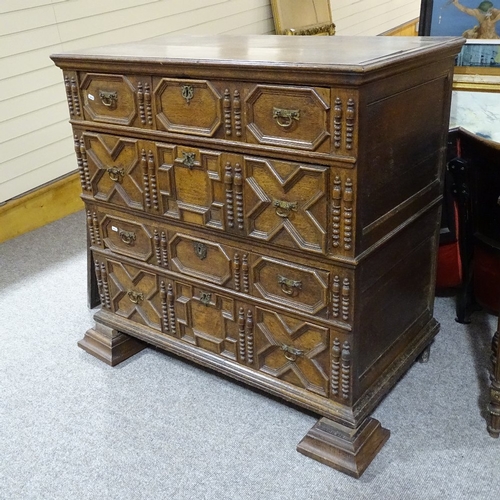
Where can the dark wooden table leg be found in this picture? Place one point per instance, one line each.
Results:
(494, 406)
(425, 355)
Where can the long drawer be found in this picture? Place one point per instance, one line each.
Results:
(282, 346)
(293, 282)
(287, 204)
(300, 118)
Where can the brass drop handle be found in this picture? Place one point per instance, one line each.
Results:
(283, 208)
(115, 173)
(188, 159)
(108, 98)
(291, 353)
(128, 237)
(288, 286)
(135, 297)
(285, 117)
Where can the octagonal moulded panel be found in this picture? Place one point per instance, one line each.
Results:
(127, 237)
(188, 106)
(109, 98)
(295, 117)
(200, 258)
(290, 284)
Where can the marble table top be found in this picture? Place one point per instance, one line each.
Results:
(477, 112)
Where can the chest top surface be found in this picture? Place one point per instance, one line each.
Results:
(358, 54)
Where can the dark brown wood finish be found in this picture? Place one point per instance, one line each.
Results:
(268, 207)
(494, 406)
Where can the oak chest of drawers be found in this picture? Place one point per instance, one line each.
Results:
(268, 207)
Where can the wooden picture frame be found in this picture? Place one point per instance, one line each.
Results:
(302, 17)
(478, 64)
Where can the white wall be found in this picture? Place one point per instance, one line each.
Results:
(35, 137)
(372, 17)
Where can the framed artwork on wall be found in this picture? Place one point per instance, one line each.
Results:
(302, 17)
(478, 21)
(472, 19)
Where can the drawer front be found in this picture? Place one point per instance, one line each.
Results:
(305, 119)
(282, 346)
(295, 117)
(117, 99)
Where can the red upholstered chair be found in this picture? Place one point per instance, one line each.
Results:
(449, 266)
(469, 253)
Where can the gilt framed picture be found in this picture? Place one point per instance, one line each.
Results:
(472, 19)
(478, 21)
(302, 17)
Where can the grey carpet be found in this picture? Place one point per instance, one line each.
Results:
(157, 427)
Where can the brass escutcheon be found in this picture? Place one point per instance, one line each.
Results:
(188, 159)
(288, 286)
(108, 98)
(285, 117)
(187, 92)
(115, 173)
(291, 353)
(135, 297)
(128, 237)
(200, 249)
(205, 298)
(283, 208)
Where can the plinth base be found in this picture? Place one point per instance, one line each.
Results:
(347, 450)
(110, 345)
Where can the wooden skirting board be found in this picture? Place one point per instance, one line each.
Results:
(408, 29)
(40, 206)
